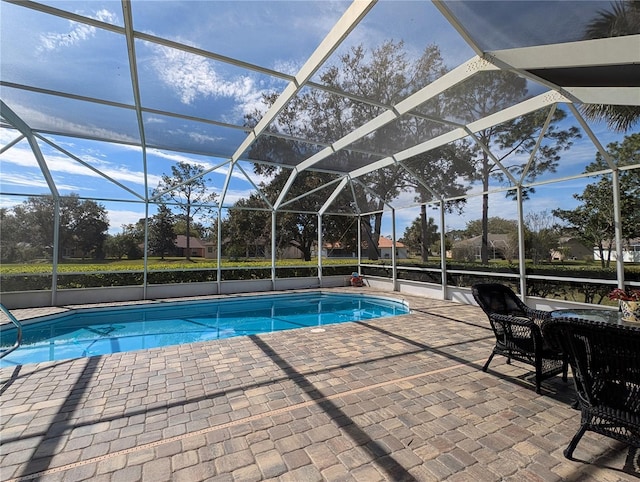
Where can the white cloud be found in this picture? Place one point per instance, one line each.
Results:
(9, 202)
(20, 156)
(118, 218)
(55, 123)
(192, 76)
(77, 33)
(288, 66)
(177, 157)
(234, 196)
(202, 139)
(154, 120)
(13, 179)
(222, 170)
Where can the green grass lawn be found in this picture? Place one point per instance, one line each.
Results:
(80, 266)
(79, 273)
(170, 263)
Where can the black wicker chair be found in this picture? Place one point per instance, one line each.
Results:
(605, 360)
(517, 331)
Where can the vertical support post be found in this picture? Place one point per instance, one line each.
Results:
(319, 250)
(522, 267)
(56, 250)
(617, 219)
(394, 260)
(219, 252)
(443, 252)
(273, 250)
(360, 243)
(146, 250)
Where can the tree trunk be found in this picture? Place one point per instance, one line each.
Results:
(424, 234)
(372, 245)
(188, 223)
(484, 250)
(601, 251)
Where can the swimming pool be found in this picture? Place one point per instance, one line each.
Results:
(99, 331)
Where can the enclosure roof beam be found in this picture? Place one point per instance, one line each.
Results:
(332, 197)
(535, 149)
(495, 160)
(606, 95)
(90, 167)
(133, 70)
(529, 105)
(11, 144)
(342, 28)
(596, 142)
(585, 53)
(450, 79)
(453, 20)
(19, 124)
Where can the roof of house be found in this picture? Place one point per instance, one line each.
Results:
(494, 240)
(388, 243)
(382, 243)
(181, 242)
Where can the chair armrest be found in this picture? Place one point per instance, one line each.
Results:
(518, 327)
(538, 315)
(512, 320)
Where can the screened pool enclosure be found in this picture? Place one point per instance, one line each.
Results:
(175, 148)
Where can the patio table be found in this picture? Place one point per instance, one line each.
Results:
(595, 314)
(603, 354)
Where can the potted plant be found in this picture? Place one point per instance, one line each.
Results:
(629, 303)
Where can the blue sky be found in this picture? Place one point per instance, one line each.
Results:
(276, 36)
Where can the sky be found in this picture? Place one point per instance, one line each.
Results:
(275, 36)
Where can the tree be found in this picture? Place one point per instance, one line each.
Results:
(196, 229)
(484, 95)
(123, 244)
(496, 225)
(299, 227)
(246, 229)
(414, 237)
(13, 247)
(385, 74)
(593, 219)
(162, 236)
(442, 167)
(541, 236)
(89, 225)
(622, 19)
(83, 224)
(187, 188)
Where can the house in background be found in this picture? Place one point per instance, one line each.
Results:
(570, 248)
(196, 246)
(385, 245)
(501, 246)
(630, 252)
(210, 250)
(337, 250)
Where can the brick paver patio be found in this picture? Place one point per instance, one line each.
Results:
(393, 399)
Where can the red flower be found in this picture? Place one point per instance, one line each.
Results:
(620, 294)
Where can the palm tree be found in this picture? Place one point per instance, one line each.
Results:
(623, 19)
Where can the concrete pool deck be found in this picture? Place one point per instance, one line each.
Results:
(400, 398)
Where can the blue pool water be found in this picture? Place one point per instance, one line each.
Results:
(99, 331)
